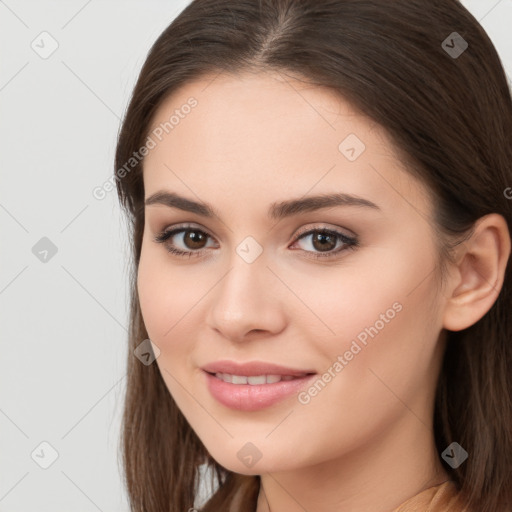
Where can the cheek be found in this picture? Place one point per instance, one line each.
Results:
(350, 302)
(380, 318)
(152, 303)
(157, 290)
(168, 299)
(165, 299)
(385, 362)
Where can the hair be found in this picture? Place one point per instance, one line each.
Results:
(451, 122)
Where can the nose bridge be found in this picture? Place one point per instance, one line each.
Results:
(242, 287)
(242, 300)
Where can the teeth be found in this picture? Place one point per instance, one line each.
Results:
(254, 380)
(257, 379)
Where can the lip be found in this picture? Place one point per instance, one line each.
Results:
(249, 397)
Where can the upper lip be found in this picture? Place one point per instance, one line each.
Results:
(252, 368)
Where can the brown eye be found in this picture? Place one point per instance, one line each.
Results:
(190, 241)
(324, 241)
(184, 241)
(194, 239)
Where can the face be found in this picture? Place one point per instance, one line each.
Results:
(340, 295)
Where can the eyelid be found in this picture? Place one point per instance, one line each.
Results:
(302, 231)
(183, 227)
(324, 227)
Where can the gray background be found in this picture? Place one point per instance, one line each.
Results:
(64, 319)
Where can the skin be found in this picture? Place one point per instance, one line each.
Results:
(365, 442)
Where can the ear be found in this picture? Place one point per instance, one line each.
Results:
(478, 276)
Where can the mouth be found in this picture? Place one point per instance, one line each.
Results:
(253, 389)
(253, 369)
(256, 380)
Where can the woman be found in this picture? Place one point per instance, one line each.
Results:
(319, 196)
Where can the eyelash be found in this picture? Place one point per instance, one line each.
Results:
(350, 242)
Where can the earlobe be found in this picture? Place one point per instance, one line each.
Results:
(480, 273)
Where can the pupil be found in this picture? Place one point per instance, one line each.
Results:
(321, 237)
(194, 237)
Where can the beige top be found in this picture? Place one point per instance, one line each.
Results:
(440, 498)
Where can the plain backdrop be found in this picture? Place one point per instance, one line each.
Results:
(66, 72)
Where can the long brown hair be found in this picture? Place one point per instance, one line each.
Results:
(449, 115)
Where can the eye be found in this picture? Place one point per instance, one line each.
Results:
(193, 241)
(325, 240)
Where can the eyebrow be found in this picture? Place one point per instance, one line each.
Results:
(278, 210)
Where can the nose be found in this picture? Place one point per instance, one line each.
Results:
(247, 302)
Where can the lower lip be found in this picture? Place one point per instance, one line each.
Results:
(248, 397)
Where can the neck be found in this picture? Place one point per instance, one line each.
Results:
(368, 478)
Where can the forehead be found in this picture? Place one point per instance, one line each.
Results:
(262, 103)
(259, 133)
